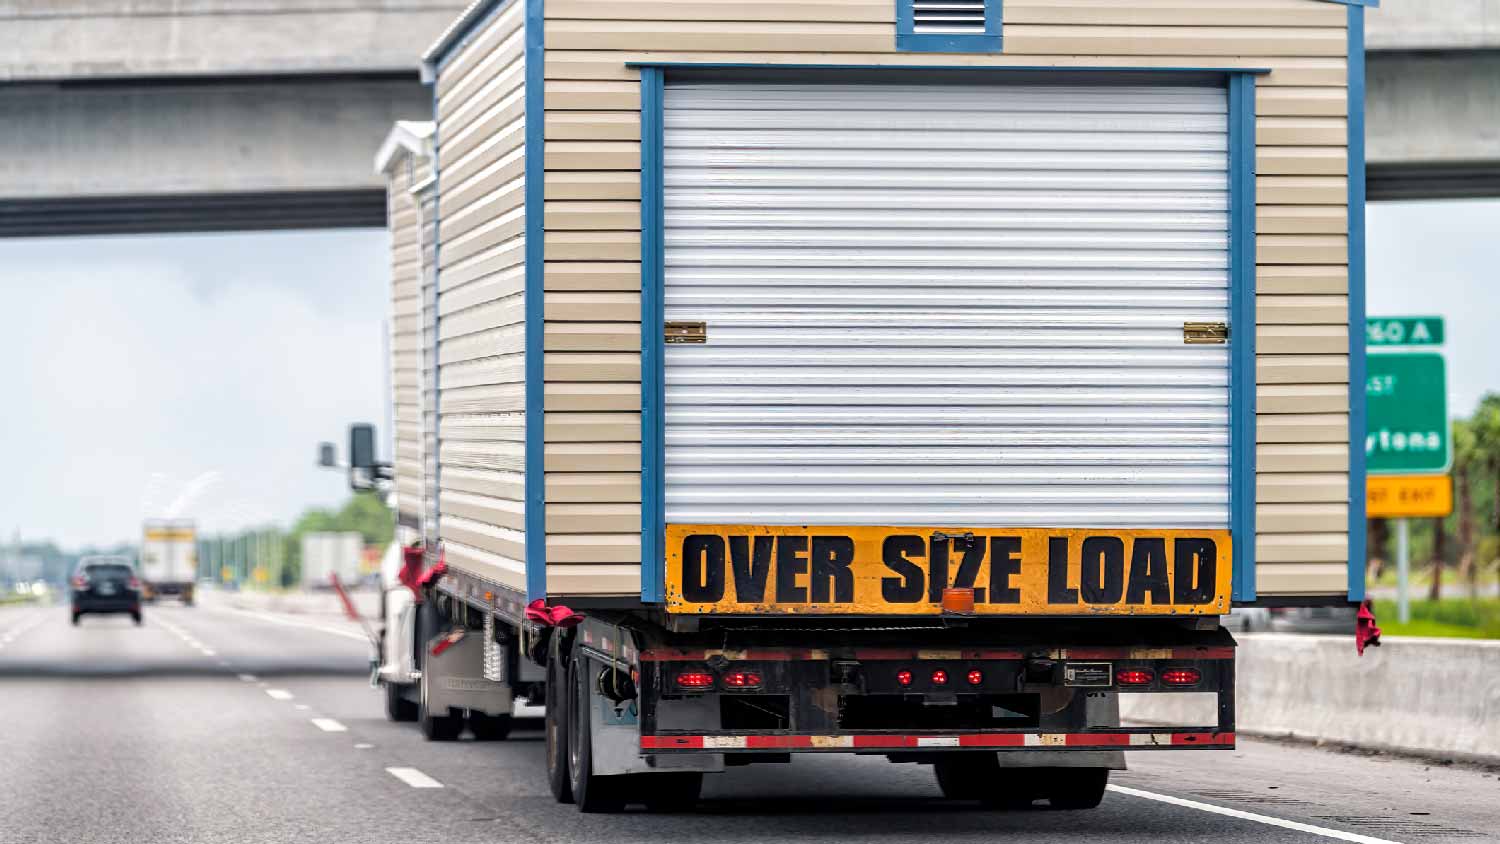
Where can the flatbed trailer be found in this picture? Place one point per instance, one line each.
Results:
(859, 378)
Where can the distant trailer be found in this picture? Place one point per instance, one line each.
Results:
(169, 559)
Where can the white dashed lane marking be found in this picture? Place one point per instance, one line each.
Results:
(248, 678)
(279, 694)
(328, 725)
(414, 778)
(1325, 832)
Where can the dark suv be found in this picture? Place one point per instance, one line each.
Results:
(106, 585)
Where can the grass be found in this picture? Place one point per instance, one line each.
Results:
(1458, 618)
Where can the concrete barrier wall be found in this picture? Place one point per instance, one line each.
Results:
(1430, 696)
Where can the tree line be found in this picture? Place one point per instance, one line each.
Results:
(1468, 540)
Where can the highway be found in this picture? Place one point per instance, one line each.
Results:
(217, 724)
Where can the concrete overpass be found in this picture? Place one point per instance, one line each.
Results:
(1433, 99)
(203, 115)
(200, 115)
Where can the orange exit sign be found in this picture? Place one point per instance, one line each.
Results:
(1408, 496)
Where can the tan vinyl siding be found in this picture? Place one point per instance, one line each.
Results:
(481, 301)
(406, 331)
(592, 243)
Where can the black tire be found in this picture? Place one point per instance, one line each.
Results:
(978, 776)
(397, 707)
(136, 617)
(76, 616)
(1075, 788)
(669, 793)
(437, 727)
(489, 727)
(556, 729)
(591, 792)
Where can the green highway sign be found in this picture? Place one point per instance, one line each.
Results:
(1407, 414)
(1404, 331)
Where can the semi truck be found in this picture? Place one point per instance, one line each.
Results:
(169, 559)
(910, 380)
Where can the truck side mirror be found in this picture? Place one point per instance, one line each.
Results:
(327, 457)
(362, 447)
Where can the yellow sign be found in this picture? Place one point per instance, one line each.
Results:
(169, 534)
(1408, 496)
(760, 569)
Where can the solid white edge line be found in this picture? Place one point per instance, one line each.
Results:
(413, 778)
(328, 725)
(1252, 816)
(287, 622)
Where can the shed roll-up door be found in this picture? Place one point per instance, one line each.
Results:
(946, 305)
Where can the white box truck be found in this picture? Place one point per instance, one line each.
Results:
(169, 559)
(329, 553)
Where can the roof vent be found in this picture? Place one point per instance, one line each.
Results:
(948, 17)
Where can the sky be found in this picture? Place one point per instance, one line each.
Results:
(148, 376)
(184, 375)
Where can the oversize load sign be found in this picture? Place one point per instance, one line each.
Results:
(760, 569)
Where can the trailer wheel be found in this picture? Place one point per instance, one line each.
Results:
(1075, 788)
(592, 793)
(489, 727)
(397, 707)
(556, 729)
(437, 727)
(978, 776)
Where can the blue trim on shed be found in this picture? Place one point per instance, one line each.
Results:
(1357, 302)
(536, 441)
(1242, 273)
(653, 428)
(1240, 85)
(907, 39)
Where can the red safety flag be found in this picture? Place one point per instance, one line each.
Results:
(558, 616)
(412, 560)
(1365, 630)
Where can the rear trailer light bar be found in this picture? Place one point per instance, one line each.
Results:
(1135, 739)
(898, 699)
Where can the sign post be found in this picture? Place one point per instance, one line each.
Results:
(1408, 447)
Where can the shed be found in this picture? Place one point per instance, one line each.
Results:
(1040, 263)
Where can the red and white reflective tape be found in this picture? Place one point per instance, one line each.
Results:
(797, 654)
(861, 742)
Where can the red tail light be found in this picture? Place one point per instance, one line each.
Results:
(903, 677)
(1181, 676)
(135, 583)
(742, 680)
(940, 677)
(1134, 677)
(80, 582)
(975, 676)
(695, 680)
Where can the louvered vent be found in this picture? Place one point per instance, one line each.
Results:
(948, 17)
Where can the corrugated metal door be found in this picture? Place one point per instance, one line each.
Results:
(946, 304)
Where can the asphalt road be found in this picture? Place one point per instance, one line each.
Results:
(211, 724)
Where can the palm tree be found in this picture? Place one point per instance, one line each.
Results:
(1485, 454)
(1465, 459)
